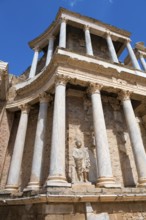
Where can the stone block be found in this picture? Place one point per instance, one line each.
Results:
(102, 216)
(53, 217)
(58, 209)
(77, 216)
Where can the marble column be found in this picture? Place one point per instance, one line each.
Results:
(132, 56)
(15, 166)
(135, 137)
(50, 49)
(142, 61)
(105, 176)
(62, 36)
(89, 49)
(111, 48)
(36, 170)
(57, 160)
(34, 63)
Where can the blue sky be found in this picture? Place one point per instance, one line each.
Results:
(22, 21)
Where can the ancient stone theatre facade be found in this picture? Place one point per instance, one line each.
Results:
(73, 126)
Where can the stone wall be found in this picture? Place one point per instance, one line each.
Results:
(6, 121)
(76, 42)
(80, 127)
(69, 211)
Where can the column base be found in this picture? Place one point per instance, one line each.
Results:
(107, 182)
(11, 188)
(33, 186)
(57, 181)
(141, 182)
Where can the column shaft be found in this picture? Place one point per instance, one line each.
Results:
(89, 49)
(15, 166)
(143, 61)
(111, 49)
(132, 56)
(136, 139)
(62, 36)
(34, 63)
(57, 160)
(105, 176)
(50, 50)
(39, 143)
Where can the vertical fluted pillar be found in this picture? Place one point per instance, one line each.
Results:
(135, 137)
(50, 49)
(36, 170)
(62, 36)
(105, 176)
(111, 48)
(15, 166)
(57, 159)
(142, 61)
(34, 63)
(89, 49)
(132, 55)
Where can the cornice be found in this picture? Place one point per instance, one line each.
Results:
(42, 38)
(78, 198)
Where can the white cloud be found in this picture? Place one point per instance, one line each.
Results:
(72, 2)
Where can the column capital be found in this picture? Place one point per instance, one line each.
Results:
(108, 33)
(51, 37)
(128, 40)
(86, 27)
(61, 80)
(63, 19)
(124, 95)
(94, 88)
(36, 49)
(25, 108)
(44, 97)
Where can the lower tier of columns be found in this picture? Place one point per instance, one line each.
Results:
(57, 169)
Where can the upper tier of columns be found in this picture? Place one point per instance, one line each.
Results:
(89, 48)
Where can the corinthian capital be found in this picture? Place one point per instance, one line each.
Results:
(25, 108)
(124, 95)
(61, 80)
(44, 97)
(94, 88)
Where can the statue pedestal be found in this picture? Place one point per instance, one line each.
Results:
(82, 185)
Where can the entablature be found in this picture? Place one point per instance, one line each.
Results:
(81, 70)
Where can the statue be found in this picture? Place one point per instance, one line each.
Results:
(82, 162)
